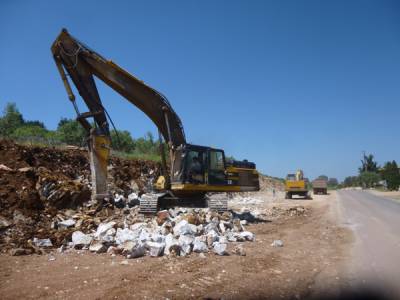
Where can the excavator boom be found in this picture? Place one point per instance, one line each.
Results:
(82, 64)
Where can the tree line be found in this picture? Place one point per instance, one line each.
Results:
(370, 174)
(70, 132)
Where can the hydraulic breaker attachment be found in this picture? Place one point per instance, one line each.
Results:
(99, 151)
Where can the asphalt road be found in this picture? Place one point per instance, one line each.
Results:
(375, 256)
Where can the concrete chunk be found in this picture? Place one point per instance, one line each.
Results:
(171, 245)
(124, 235)
(42, 242)
(155, 249)
(247, 235)
(199, 246)
(97, 247)
(220, 248)
(66, 224)
(79, 239)
(103, 228)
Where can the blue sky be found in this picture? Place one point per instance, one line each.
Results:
(287, 84)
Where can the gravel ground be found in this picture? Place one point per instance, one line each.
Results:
(309, 263)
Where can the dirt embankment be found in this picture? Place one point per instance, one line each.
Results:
(38, 183)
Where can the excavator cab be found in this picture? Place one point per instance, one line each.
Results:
(205, 169)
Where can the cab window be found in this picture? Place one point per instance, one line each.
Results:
(195, 167)
(217, 161)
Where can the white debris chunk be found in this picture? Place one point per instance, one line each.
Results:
(79, 239)
(199, 246)
(124, 235)
(212, 236)
(171, 245)
(97, 247)
(66, 224)
(155, 249)
(133, 249)
(109, 236)
(185, 242)
(247, 235)
(277, 243)
(183, 227)
(220, 248)
(102, 229)
(42, 242)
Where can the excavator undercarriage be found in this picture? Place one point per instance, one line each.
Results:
(194, 171)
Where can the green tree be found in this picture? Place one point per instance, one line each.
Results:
(391, 174)
(34, 123)
(71, 132)
(122, 141)
(351, 181)
(368, 164)
(146, 144)
(333, 182)
(323, 177)
(30, 133)
(369, 179)
(11, 120)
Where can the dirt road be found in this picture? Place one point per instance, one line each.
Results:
(375, 222)
(308, 263)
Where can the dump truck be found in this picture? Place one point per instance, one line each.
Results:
(192, 171)
(320, 186)
(295, 184)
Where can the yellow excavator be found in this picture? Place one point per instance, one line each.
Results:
(296, 184)
(194, 170)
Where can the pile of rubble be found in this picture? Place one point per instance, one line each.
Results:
(177, 231)
(38, 184)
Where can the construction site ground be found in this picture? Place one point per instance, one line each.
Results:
(310, 263)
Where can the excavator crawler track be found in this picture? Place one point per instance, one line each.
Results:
(219, 205)
(149, 205)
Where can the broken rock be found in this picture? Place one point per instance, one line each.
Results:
(247, 235)
(119, 201)
(155, 249)
(66, 224)
(19, 252)
(277, 243)
(239, 250)
(102, 229)
(199, 246)
(212, 236)
(42, 242)
(133, 249)
(133, 200)
(97, 247)
(185, 242)
(4, 223)
(183, 227)
(124, 235)
(162, 216)
(79, 239)
(220, 248)
(171, 245)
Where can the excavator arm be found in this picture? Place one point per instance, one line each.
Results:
(81, 64)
